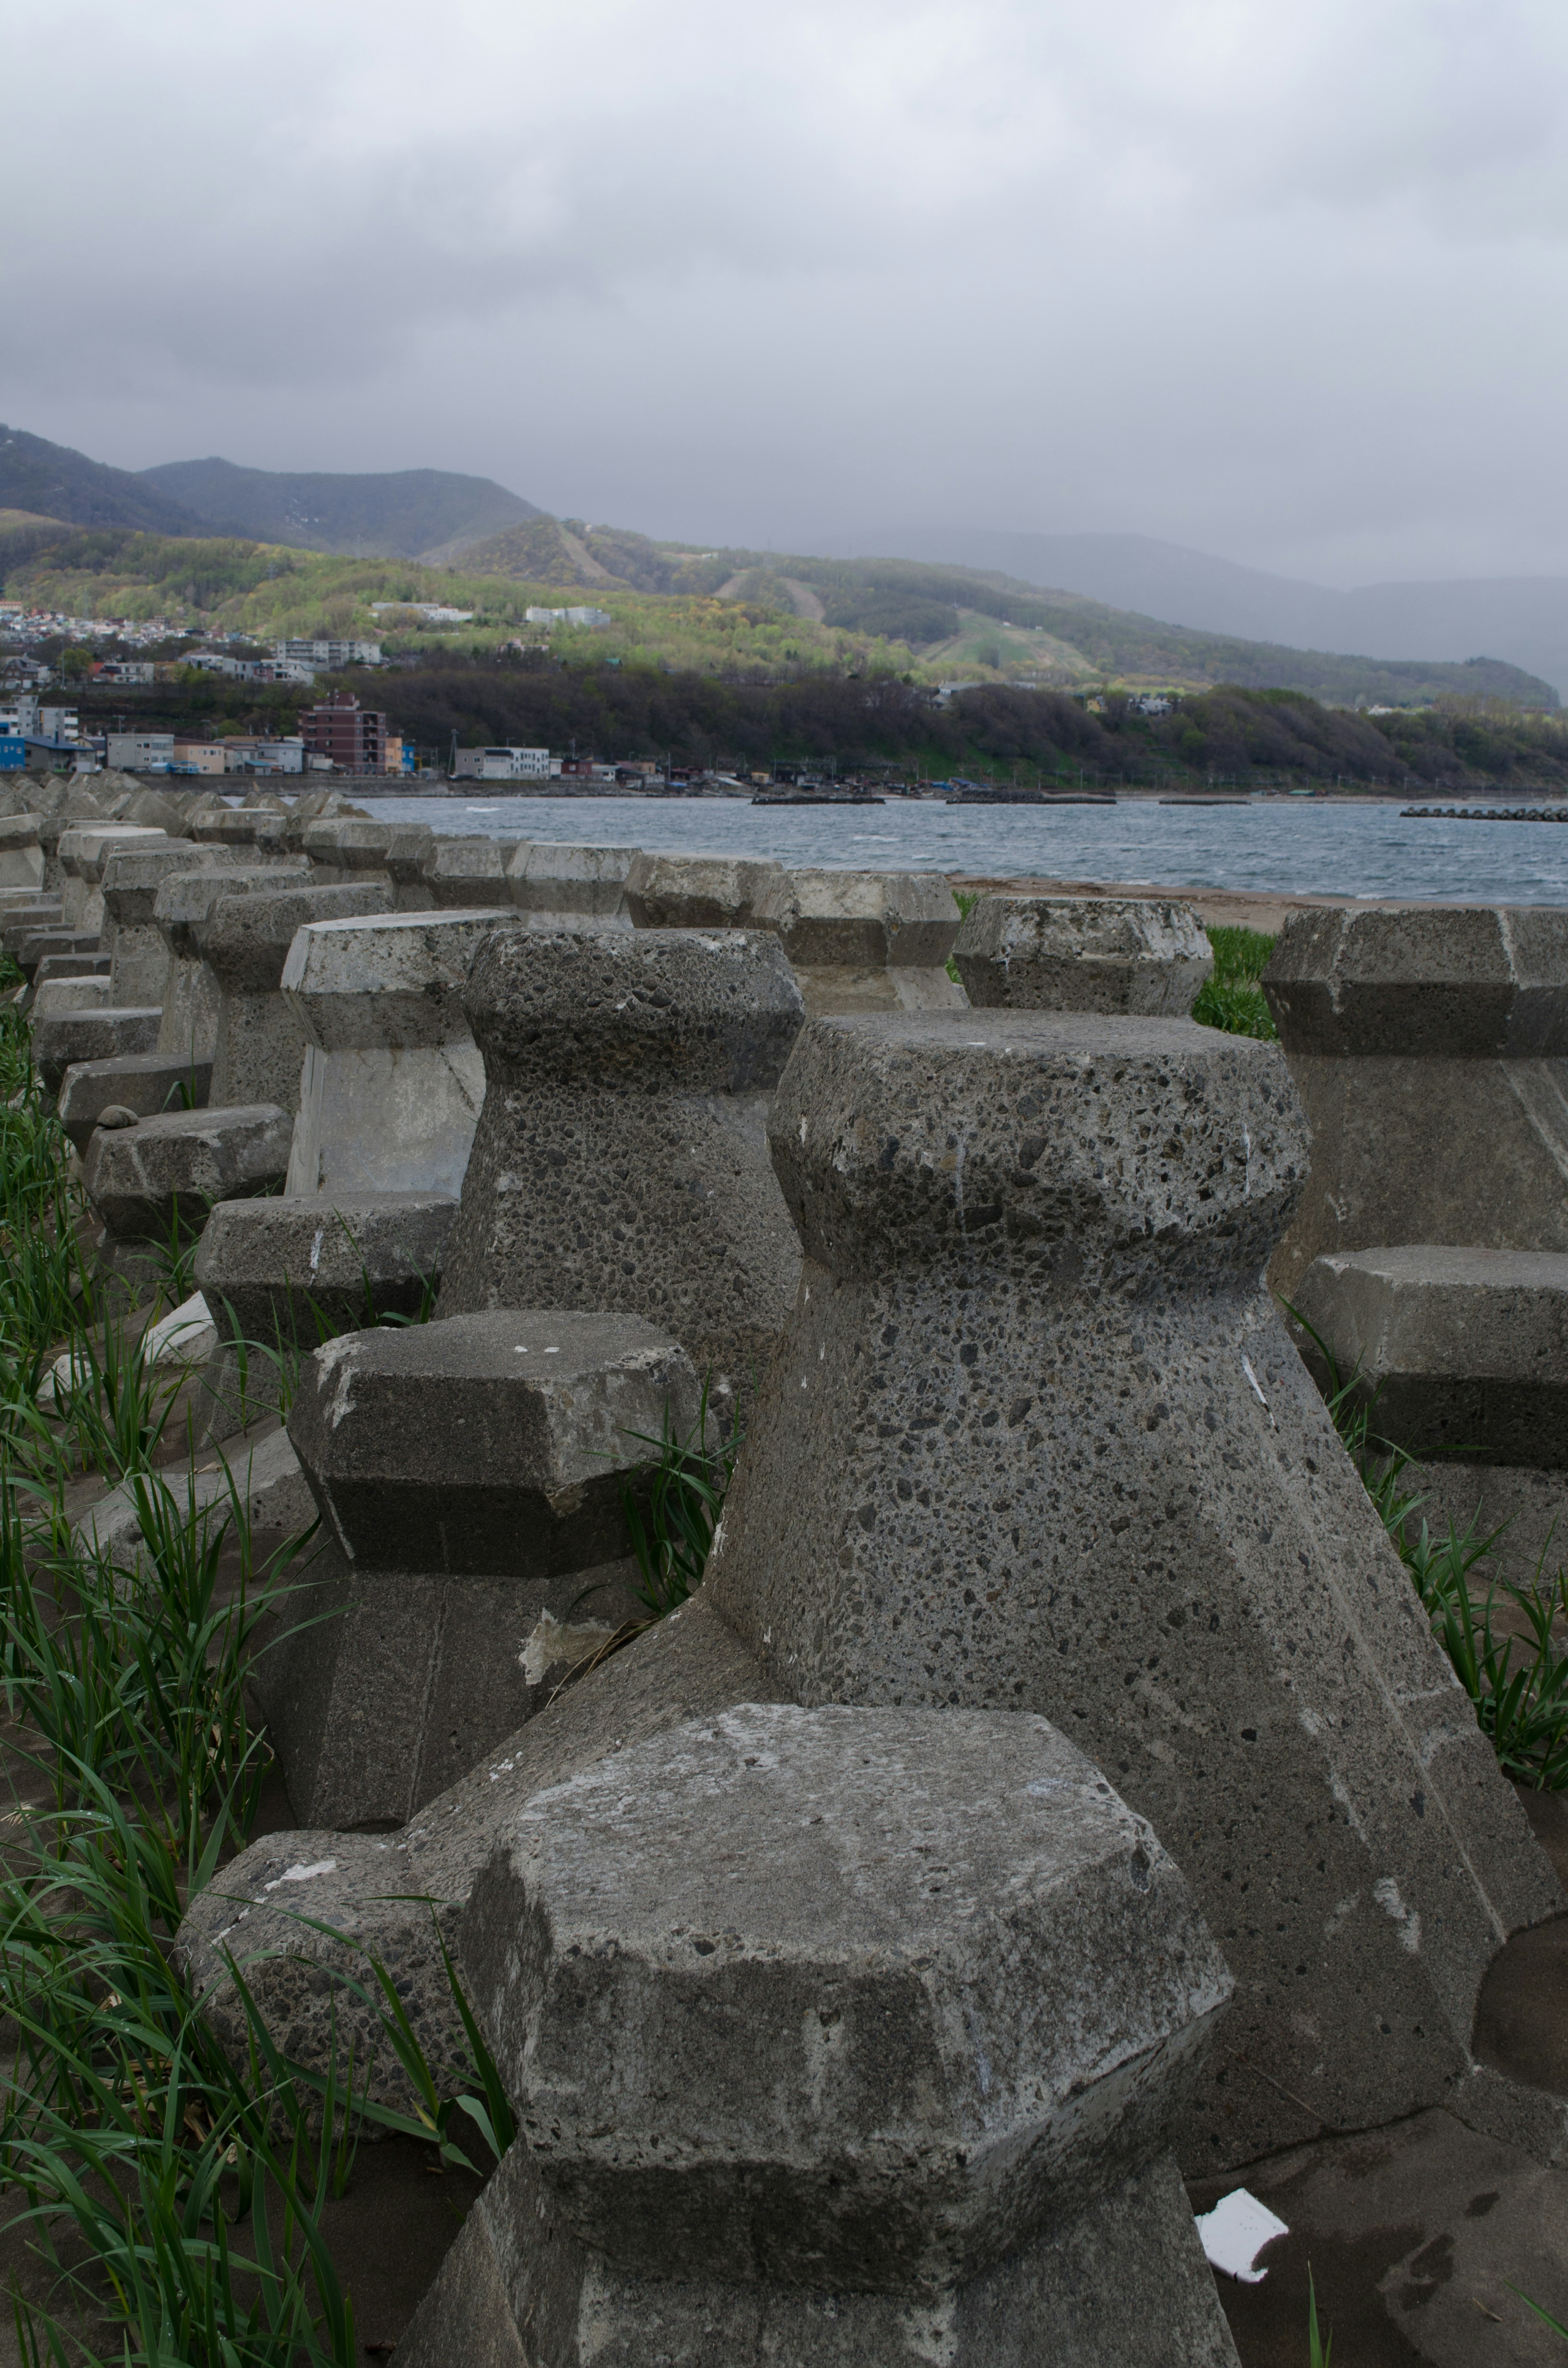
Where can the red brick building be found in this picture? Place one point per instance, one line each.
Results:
(355, 737)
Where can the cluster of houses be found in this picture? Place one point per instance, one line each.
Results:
(336, 736)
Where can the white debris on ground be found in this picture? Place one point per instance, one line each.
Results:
(188, 1337)
(1236, 2232)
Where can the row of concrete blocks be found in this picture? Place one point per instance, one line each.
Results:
(1033, 1442)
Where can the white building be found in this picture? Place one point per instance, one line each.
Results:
(328, 654)
(59, 724)
(591, 619)
(503, 765)
(285, 756)
(433, 611)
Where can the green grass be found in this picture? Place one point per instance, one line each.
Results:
(193, 2186)
(1517, 1685)
(1232, 998)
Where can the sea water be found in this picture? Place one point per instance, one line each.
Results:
(1301, 846)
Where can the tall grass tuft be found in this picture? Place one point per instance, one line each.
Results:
(1231, 998)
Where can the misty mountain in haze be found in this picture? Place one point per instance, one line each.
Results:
(55, 482)
(1523, 619)
(401, 514)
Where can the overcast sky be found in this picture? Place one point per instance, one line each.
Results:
(1282, 282)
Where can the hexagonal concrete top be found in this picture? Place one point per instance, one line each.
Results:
(1450, 981)
(851, 1995)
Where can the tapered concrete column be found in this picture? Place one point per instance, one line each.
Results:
(866, 940)
(245, 941)
(84, 849)
(21, 854)
(621, 1160)
(1035, 1437)
(1430, 1049)
(188, 1029)
(392, 1082)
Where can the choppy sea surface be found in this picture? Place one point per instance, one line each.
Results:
(1295, 846)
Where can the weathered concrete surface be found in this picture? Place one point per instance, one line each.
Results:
(82, 991)
(281, 1274)
(191, 994)
(392, 1082)
(131, 877)
(1122, 2285)
(1430, 1049)
(620, 1160)
(866, 940)
(940, 2007)
(464, 871)
(26, 917)
(63, 1038)
(244, 943)
(1063, 1458)
(147, 1083)
(61, 966)
(471, 1477)
(1462, 1356)
(373, 1888)
(84, 849)
(21, 854)
(571, 887)
(35, 945)
(263, 1476)
(699, 892)
(1084, 953)
(398, 849)
(156, 1181)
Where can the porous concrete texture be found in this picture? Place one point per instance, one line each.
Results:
(191, 994)
(1064, 1459)
(132, 938)
(244, 942)
(392, 1083)
(620, 1160)
(21, 856)
(53, 966)
(156, 1183)
(1430, 1049)
(941, 2004)
(398, 849)
(37, 944)
(26, 916)
(1461, 1357)
(280, 1275)
(147, 1083)
(1084, 953)
(1119, 2285)
(373, 1889)
(84, 849)
(470, 1476)
(63, 1038)
(699, 892)
(264, 828)
(461, 872)
(79, 991)
(866, 940)
(571, 887)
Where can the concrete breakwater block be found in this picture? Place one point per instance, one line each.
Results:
(1064, 1457)
(266, 1479)
(35, 944)
(464, 871)
(281, 1274)
(63, 1038)
(392, 1082)
(866, 940)
(156, 1182)
(571, 887)
(1430, 1049)
(397, 852)
(864, 2097)
(80, 991)
(131, 880)
(1461, 1357)
(699, 891)
(244, 942)
(621, 1160)
(28, 916)
(374, 1888)
(470, 1475)
(145, 1083)
(191, 995)
(1084, 953)
(84, 849)
(21, 853)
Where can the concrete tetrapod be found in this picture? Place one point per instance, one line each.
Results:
(1431, 1050)
(1084, 953)
(1463, 1357)
(838, 2039)
(84, 849)
(392, 1082)
(1064, 1459)
(21, 856)
(699, 891)
(154, 1184)
(461, 872)
(280, 1275)
(132, 878)
(394, 850)
(245, 941)
(191, 996)
(571, 887)
(866, 940)
(620, 1161)
(470, 1475)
